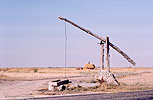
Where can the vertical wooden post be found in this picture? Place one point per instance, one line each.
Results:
(107, 54)
(102, 56)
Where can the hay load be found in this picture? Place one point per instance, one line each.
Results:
(89, 66)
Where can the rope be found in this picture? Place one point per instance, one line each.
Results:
(65, 49)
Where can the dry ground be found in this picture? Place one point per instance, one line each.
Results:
(30, 82)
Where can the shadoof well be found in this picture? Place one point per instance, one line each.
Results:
(103, 75)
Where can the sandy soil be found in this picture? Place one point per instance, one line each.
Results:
(26, 82)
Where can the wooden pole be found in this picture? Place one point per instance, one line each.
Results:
(102, 56)
(98, 37)
(107, 54)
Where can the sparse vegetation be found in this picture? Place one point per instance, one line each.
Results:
(2, 76)
(35, 70)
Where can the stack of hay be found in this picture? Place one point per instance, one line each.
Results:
(89, 66)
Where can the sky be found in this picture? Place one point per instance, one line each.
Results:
(31, 35)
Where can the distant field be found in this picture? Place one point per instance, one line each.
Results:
(44, 73)
(41, 73)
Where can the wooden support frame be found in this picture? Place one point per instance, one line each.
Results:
(107, 54)
(102, 56)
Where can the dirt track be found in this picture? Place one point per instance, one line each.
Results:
(13, 89)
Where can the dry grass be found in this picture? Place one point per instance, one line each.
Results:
(47, 73)
(43, 73)
(2, 76)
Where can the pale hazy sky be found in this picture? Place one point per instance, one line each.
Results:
(32, 35)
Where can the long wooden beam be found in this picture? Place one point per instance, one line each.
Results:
(102, 39)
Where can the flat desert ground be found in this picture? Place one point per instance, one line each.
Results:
(33, 82)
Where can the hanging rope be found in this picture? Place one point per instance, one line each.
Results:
(65, 49)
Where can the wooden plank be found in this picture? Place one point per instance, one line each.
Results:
(98, 37)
